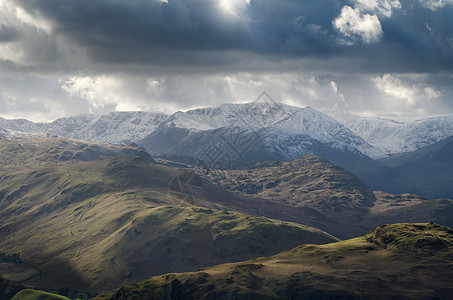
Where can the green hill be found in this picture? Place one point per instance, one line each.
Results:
(74, 215)
(97, 225)
(307, 182)
(29, 294)
(400, 261)
(317, 193)
(18, 153)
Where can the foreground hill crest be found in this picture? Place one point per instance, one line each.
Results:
(410, 261)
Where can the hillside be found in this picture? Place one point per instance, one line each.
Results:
(38, 152)
(326, 196)
(410, 261)
(80, 215)
(66, 225)
(307, 182)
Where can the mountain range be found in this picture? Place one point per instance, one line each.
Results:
(266, 131)
(80, 218)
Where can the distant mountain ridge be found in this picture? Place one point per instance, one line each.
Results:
(113, 128)
(372, 136)
(427, 172)
(393, 137)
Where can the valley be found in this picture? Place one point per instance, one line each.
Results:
(82, 217)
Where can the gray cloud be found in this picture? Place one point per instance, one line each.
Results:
(203, 52)
(8, 34)
(155, 32)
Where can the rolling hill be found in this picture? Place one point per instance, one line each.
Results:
(400, 261)
(104, 220)
(347, 207)
(38, 152)
(65, 225)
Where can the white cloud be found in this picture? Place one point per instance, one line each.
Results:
(381, 7)
(353, 23)
(404, 92)
(435, 4)
(102, 91)
(290, 88)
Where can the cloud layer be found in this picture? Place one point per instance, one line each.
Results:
(176, 54)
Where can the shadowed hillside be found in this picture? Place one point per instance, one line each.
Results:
(410, 261)
(96, 225)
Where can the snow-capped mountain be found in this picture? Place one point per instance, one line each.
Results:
(158, 132)
(20, 125)
(113, 128)
(255, 131)
(3, 132)
(306, 121)
(321, 127)
(252, 115)
(427, 172)
(395, 137)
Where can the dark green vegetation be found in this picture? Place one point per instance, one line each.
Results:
(401, 261)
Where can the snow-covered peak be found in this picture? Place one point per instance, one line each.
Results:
(392, 136)
(255, 114)
(3, 132)
(324, 128)
(114, 128)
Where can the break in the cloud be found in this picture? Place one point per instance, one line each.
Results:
(65, 57)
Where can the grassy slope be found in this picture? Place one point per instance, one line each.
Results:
(82, 218)
(105, 223)
(401, 260)
(18, 153)
(390, 208)
(29, 294)
(308, 182)
(349, 207)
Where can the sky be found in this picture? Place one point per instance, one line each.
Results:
(391, 58)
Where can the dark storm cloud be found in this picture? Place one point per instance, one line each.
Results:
(127, 54)
(154, 32)
(8, 34)
(158, 32)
